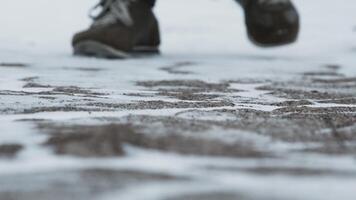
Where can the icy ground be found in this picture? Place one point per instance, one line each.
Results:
(213, 117)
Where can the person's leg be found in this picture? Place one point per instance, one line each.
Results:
(122, 28)
(271, 22)
(151, 2)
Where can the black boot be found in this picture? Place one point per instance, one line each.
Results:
(271, 22)
(121, 29)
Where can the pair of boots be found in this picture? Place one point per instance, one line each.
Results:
(124, 28)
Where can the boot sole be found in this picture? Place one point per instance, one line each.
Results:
(99, 50)
(289, 38)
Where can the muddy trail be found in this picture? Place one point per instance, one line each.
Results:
(178, 138)
(211, 118)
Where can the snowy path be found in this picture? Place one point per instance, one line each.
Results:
(213, 117)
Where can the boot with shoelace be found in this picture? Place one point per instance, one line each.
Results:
(123, 28)
(120, 29)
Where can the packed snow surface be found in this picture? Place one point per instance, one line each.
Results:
(205, 41)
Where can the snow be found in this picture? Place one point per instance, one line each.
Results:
(209, 33)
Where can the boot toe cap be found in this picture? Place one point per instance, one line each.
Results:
(272, 26)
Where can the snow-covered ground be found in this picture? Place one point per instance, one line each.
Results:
(204, 40)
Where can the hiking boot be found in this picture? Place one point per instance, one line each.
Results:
(271, 22)
(121, 29)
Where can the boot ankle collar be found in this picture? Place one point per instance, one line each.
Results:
(111, 11)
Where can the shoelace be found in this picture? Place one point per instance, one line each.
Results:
(271, 2)
(119, 9)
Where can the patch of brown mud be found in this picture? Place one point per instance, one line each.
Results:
(47, 97)
(155, 105)
(76, 184)
(139, 95)
(349, 101)
(211, 196)
(58, 90)
(293, 103)
(68, 91)
(89, 105)
(322, 74)
(65, 108)
(84, 69)
(21, 93)
(340, 149)
(188, 95)
(304, 94)
(13, 64)
(290, 171)
(125, 174)
(89, 141)
(31, 120)
(30, 79)
(108, 140)
(7, 110)
(10, 150)
(332, 72)
(250, 81)
(263, 57)
(315, 86)
(315, 110)
(74, 90)
(294, 125)
(162, 125)
(188, 90)
(175, 68)
(334, 67)
(36, 85)
(32, 84)
(302, 124)
(197, 85)
(336, 80)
